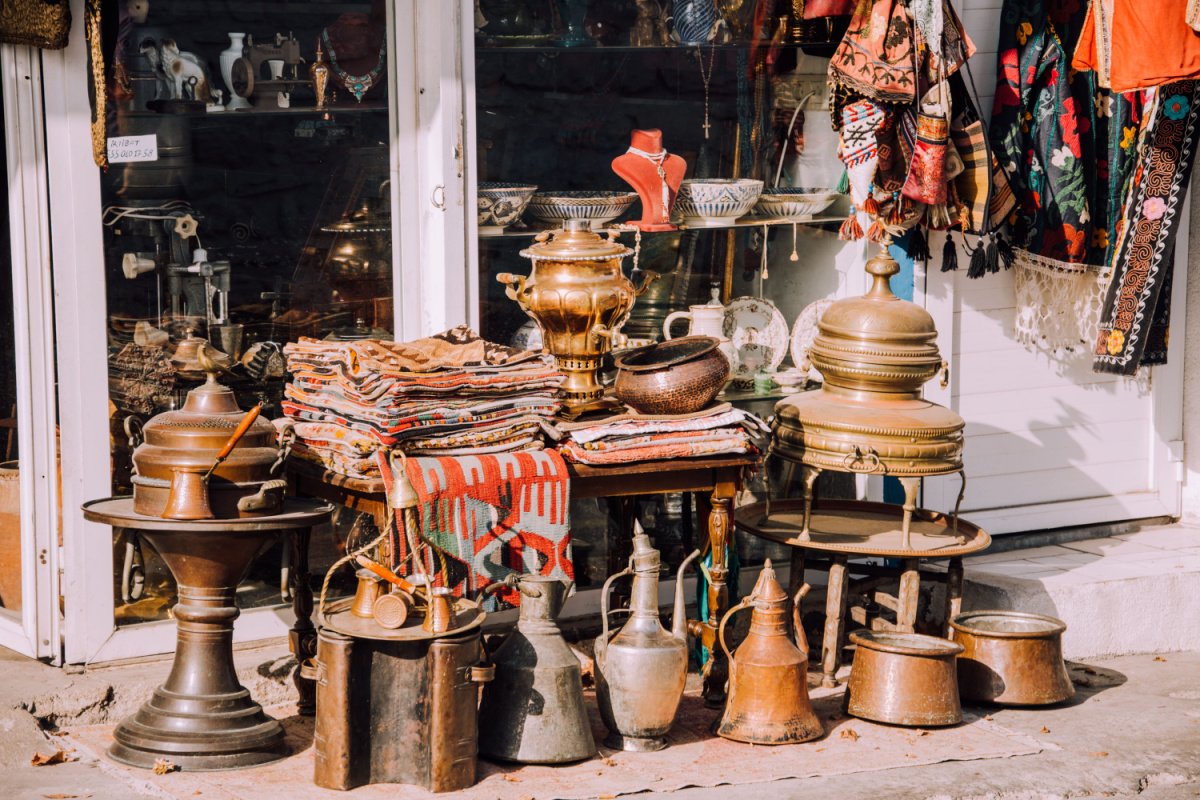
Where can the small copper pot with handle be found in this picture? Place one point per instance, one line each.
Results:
(1011, 658)
(904, 679)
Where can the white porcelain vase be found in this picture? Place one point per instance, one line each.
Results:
(237, 46)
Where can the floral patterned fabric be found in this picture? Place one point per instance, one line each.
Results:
(1136, 317)
(1066, 144)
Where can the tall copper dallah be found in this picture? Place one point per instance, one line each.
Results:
(768, 675)
(640, 672)
(580, 298)
(874, 352)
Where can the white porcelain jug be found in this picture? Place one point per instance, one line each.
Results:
(707, 320)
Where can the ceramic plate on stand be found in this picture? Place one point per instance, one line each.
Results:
(759, 334)
(804, 332)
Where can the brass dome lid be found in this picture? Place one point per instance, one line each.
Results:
(875, 352)
(876, 342)
(576, 242)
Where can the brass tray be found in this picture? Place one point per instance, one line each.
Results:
(862, 528)
(337, 617)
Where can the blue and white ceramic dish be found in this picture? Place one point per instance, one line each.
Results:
(716, 201)
(594, 206)
(501, 204)
(794, 202)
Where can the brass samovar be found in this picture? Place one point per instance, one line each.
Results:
(580, 298)
(874, 352)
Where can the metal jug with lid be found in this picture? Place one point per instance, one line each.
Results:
(533, 711)
(641, 670)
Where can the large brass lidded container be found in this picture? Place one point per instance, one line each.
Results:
(875, 353)
(188, 440)
(580, 298)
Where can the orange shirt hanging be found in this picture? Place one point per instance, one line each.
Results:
(1138, 44)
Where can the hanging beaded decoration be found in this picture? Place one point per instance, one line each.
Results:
(358, 84)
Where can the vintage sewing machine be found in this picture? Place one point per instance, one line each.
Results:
(270, 87)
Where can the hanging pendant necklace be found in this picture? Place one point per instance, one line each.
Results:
(358, 84)
(706, 77)
(658, 159)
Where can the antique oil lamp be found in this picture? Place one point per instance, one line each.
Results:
(580, 298)
(874, 352)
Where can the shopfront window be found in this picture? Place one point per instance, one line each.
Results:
(243, 209)
(561, 91)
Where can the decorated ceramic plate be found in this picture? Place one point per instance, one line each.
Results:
(804, 332)
(759, 334)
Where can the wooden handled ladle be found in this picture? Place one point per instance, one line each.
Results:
(189, 486)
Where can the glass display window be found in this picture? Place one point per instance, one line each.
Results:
(247, 203)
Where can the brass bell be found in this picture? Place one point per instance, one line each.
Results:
(768, 675)
(402, 495)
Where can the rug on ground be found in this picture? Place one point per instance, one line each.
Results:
(695, 757)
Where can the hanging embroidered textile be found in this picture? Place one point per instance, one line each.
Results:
(876, 57)
(1136, 317)
(1058, 303)
(1134, 44)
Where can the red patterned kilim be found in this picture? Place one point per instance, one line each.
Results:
(488, 516)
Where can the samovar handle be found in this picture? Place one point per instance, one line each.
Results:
(728, 614)
(945, 370)
(134, 437)
(801, 639)
(602, 642)
(516, 289)
(650, 277)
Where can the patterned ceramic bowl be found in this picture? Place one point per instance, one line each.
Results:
(594, 206)
(794, 202)
(716, 201)
(501, 204)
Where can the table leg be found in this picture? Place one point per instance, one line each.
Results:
(911, 487)
(835, 619)
(303, 636)
(719, 527)
(809, 476)
(910, 592)
(954, 590)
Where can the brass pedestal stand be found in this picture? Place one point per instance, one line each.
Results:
(201, 718)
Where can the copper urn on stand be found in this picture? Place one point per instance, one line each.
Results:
(875, 353)
(580, 298)
(768, 675)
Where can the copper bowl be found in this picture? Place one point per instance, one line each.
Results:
(904, 679)
(680, 376)
(1011, 658)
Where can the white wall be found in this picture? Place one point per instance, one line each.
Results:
(1191, 379)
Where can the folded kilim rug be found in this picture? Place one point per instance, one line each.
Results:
(488, 516)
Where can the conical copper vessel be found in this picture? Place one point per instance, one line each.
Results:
(768, 675)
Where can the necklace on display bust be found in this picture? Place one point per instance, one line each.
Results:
(358, 84)
(706, 76)
(657, 160)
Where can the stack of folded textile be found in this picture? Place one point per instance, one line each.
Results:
(632, 436)
(450, 394)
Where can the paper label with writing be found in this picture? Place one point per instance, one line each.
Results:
(122, 149)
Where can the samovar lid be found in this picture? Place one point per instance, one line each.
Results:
(877, 327)
(576, 242)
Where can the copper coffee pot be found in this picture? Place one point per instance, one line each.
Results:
(768, 675)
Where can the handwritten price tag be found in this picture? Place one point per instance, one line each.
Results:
(122, 149)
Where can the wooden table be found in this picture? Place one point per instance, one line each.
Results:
(837, 530)
(720, 476)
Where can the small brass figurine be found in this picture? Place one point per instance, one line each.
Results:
(319, 73)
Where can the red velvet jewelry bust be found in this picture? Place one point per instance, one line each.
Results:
(642, 174)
